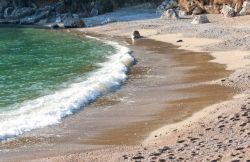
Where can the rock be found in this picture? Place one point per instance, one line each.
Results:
(55, 19)
(1, 13)
(243, 124)
(55, 26)
(108, 20)
(40, 14)
(179, 41)
(200, 19)
(8, 11)
(66, 16)
(245, 8)
(74, 23)
(180, 141)
(182, 13)
(139, 157)
(94, 12)
(227, 11)
(136, 35)
(165, 5)
(197, 11)
(193, 139)
(21, 13)
(221, 126)
(8, 21)
(243, 107)
(156, 154)
(212, 9)
(170, 14)
(239, 148)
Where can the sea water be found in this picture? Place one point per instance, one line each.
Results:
(46, 75)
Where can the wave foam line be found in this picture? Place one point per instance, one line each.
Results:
(51, 109)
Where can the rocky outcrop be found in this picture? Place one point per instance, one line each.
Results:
(7, 12)
(197, 11)
(40, 14)
(196, 7)
(167, 4)
(73, 23)
(245, 8)
(21, 13)
(227, 11)
(170, 14)
(200, 19)
(52, 11)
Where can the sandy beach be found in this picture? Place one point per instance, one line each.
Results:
(196, 93)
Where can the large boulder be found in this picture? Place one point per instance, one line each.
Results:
(197, 11)
(227, 11)
(167, 4)
(21, 13)
(188, 5)
(170, 14)
(200, 19)
(212, 9)
(245, 8)
(74, 23)
(182, 13)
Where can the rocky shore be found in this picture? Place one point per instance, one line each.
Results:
(219, 132)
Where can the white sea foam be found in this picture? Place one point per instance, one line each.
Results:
(51, 109)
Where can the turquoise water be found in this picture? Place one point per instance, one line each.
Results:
(37, 62)
(47, 75)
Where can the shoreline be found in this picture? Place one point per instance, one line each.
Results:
(177, 56)
(236, 62)
(191, 132)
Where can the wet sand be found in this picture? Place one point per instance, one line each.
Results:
(192, 94)
(164, 87)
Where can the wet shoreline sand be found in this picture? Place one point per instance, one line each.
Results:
(198, 93)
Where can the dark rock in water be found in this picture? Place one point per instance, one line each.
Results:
(74, 23)
(136, 35)
(8, 11)
(21, 13)
(55, 26)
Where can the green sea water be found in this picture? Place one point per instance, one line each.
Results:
(37, 62)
